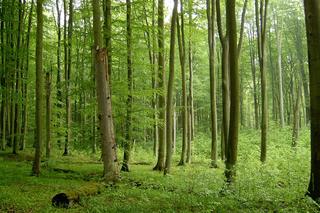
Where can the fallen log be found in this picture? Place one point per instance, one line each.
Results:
(68, 198)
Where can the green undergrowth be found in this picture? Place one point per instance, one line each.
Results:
(279, 185)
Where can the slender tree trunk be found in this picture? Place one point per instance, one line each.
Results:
(296, 116)
(48, 112)
(39, 90)
(191, 107)
(128, 143)
(170, 89)
(161, 85)
(68, 79)
(279, 45)
(3, 81)
(182, 53)
(225, 80)
(254, 81)
(261, 16)
(109, 148)
(213, 111)
(93, 96)
(234, 91)
(17, 105)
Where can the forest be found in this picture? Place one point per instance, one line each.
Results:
(159, 106)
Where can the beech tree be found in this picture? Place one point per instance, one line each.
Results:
(161, 85)
(312, 18)
(261, 22)
(169, 113)
(39, 137)
(109, 148)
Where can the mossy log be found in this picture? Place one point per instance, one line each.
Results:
(68, 198)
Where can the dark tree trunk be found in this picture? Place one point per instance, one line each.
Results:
(312, 17)
(39, 90)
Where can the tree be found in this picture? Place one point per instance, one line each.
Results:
(213, 110)
(128, 143)
(39, 90)
(109, 148)
(161, 85)
(234, 90)
(169, 113)
(261, 22)
(108, 34)
(59, 85)
(68, 66)
(234, 54)
(225, 82)
(312, 18)
(279, 44)
(182, 56)
(48, 112)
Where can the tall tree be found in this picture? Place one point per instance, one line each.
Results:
(234, 54)
(254, 81)
(169, 113)
(58, 82)
(128, 143)
(182, 56)
(279, 45)
(225, 81)
(234, 90)
(213, 107)
(109, 148)
(261, 22)
(68, 64)
(312, 18)
(39, 90)
(190, 103)
(161, 85)
(48, 112)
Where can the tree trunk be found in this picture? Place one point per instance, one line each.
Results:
(109, 148)
(225, 81)
(261, 16)
(312, 17)
(234, 91)
(191, 108)
(108, 35)
(213, 110)
(170, 89)
(39, 90)
(128, 143)
(182, 53)
(296, 116)
(67, 77)
(281, 111)
(161, 85)
(48, 112)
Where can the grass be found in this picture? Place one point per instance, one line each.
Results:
(279, 185)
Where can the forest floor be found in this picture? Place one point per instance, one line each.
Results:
(279, 185)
